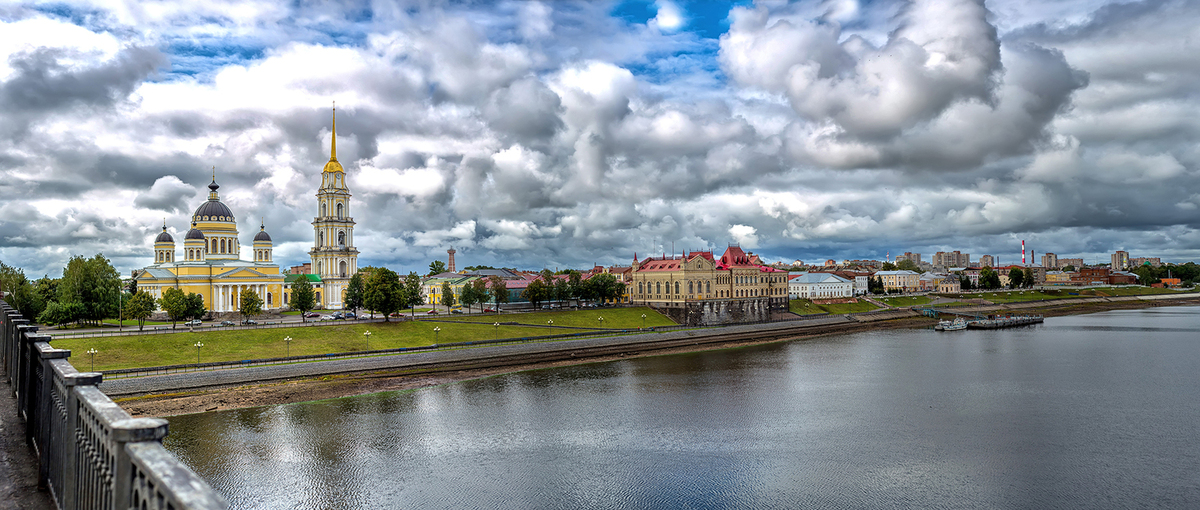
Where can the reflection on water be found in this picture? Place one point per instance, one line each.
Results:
(1079, 412)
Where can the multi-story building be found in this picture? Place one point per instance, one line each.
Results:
(987, 261)
(861, 280)
(862, 263)
(1050, 261)
(1142, 261)
(1076, 263)
(951, 259)
(819, 285)
(1120, 260)
(908, 255)
(699, 276)
(903, 280)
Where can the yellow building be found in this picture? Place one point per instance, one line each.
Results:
(211, 265)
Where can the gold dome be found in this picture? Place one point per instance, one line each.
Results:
(333, 166)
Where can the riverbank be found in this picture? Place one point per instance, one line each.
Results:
(351, 384)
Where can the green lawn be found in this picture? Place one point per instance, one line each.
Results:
(223, 345)
(806, 307)
(1017, 296)
(903, 301)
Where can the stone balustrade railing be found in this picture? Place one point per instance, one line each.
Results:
(91, 453)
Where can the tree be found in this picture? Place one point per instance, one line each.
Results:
(447, 295)
(196, 308)
(1068, 268)
(875, 285)
(575, 285)
(1016, 278)
(1146, 275)
(251, 304)
(562, 289)
(477, 268)
(989, 279)
(535, 292)
(436, 267)
(57, 313)
(94, 284)
(964, 282)
(499, 291)
(303, 297)
(468, 297)
(908, 265)
(175, 303)
(138, 308)
(411, 293)
(480, 289)
(382, 292)
(888, 266)
(132, 289)
(354, 293)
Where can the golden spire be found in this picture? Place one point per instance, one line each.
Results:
(333, 137)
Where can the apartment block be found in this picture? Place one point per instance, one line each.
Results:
(1050, 261)
(951, 259)
(1120, 260)
(987, 261)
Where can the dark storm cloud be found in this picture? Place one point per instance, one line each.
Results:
(42, 84)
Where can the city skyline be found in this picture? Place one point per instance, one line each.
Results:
(564, 134)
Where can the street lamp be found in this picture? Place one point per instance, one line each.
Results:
(288, 342)
(550, 323)
(435, 333)
(198, 346)
(367, 335)
(93, 352)
(601, 320)
(497, 325)
(643, 321)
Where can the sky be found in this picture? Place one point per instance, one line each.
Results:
(565, 134)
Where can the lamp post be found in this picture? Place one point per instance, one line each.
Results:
(601, 320)
(436, 330)
(497, 326)
(643, 321)
(367, 336)
(93, 352)
(288, 341)
(198, 346)
(550, 323)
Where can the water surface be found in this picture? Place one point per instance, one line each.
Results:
(1085, 411)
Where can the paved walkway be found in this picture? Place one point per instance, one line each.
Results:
(18, 467)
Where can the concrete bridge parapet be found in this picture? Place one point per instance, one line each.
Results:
(90, 452)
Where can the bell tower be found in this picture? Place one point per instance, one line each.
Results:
(334, 257)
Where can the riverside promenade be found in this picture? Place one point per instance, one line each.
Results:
(18, 466)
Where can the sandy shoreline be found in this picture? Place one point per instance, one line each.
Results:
(320, 388)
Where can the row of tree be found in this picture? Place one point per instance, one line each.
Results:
(549, 287)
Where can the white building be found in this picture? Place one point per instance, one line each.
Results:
(819, 285)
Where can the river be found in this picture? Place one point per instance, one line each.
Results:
(1087, 411)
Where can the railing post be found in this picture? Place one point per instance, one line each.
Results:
(126, 431)
(68, 488)
(41, 425)
(23, 372)
(14, 349)
(7, 330)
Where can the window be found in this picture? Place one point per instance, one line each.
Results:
(641, 288)
(342, 268)
(268, 298)
(659, 286)
(341, 236)
(322, 210)
(214, 248)
(707, 287)
(321, 239)
(691, 290)
(677, 287)
(339, 211)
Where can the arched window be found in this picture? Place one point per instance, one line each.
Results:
(322, 210)
(707, 287)
(321, 239)
(319, 268)
(659, 286)
(341, 235)
(691, 290)
(677, 287)
(342, 268)
(268, 298)
(641, 288)
(318, 298)
(339, 211)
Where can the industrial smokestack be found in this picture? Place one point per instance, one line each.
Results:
(1022, 252)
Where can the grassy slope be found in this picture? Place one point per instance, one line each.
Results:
(220, 345)
(797, 306)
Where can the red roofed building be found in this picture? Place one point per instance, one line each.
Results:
(699, 277)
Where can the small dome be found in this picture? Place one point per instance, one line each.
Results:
(333, 166)
(164, 236)
(194, 233)
(262, 235)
